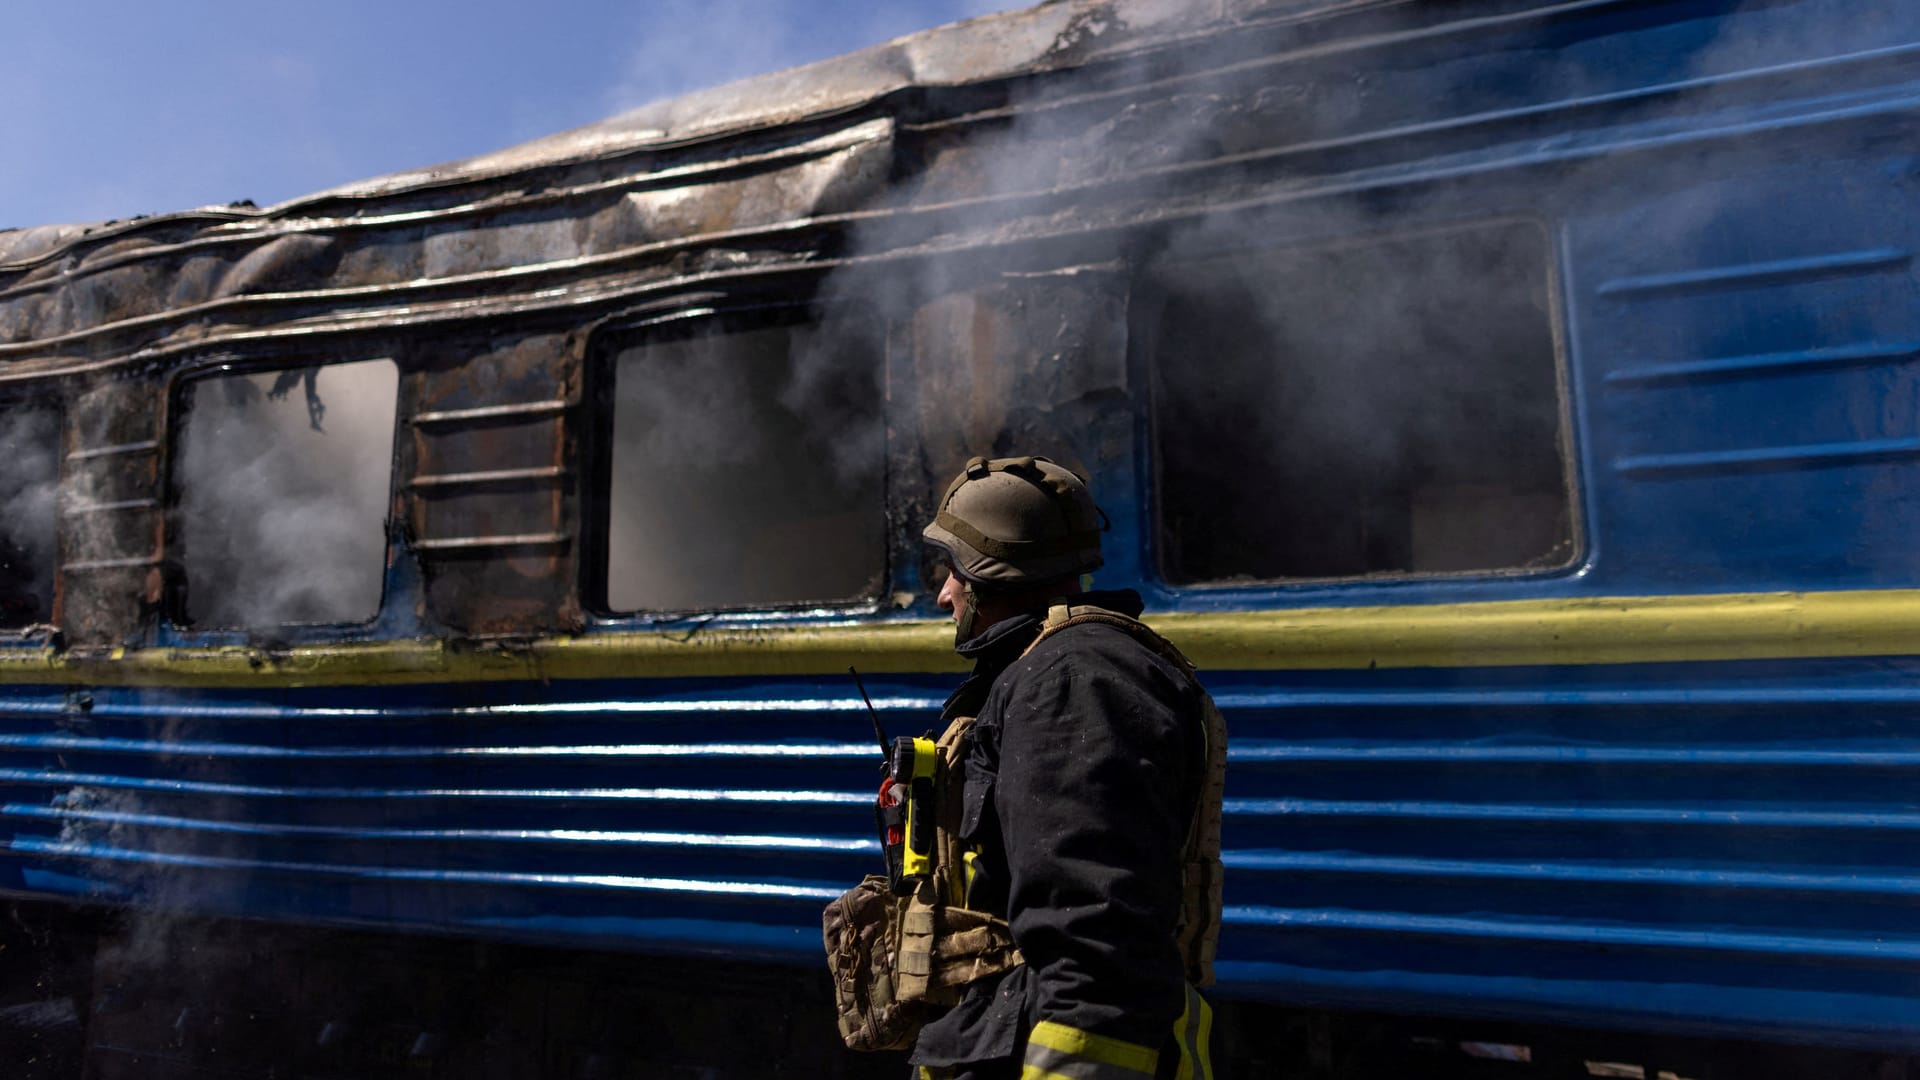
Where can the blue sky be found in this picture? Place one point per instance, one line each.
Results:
(121, 107)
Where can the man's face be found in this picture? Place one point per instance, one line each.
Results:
(953, 597)
(964, 604)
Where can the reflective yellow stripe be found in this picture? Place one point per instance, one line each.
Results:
(1203, 1042)
(1078, 1070)
(1054, 1049)
(1193, 1035)
(1596, 630)
(1183, 1039)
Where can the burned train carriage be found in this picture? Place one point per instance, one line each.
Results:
(1509, 404)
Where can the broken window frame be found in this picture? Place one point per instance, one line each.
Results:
(173, 606)
(1147, 285)
(52, 407)
(603, 350)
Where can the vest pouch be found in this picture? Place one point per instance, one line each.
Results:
(945, 948)
(863, 930)
(970, 946)
(894, 960)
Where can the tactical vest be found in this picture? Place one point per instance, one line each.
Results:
(894, 958)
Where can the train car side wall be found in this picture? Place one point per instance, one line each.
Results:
(1509, 405)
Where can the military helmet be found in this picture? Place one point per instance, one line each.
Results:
(1017, 521)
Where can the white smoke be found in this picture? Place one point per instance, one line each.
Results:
(284, 482)
(686, 45)
(29, 496)
(745, 470)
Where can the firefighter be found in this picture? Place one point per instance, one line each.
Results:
(1088, 801)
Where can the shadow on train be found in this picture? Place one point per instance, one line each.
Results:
(156, 998)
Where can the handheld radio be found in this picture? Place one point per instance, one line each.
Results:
(911, 778)
(904, 809)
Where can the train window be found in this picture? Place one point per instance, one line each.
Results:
(1389, 407)
(282, 488)
(29, 489)
(745, 466)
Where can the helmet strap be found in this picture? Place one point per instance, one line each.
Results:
(963, 619)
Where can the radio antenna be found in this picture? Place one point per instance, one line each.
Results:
(886, 747)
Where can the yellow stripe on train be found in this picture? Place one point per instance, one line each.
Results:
(1605, 630)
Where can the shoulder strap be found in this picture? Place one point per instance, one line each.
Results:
(949, 853)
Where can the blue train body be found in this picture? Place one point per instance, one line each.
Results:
(1662, 784)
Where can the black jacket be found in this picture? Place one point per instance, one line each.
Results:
(1080, 782)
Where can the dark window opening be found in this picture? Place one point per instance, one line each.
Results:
(29, 493)
(283, 483)
(745, 466)
(1382, 408)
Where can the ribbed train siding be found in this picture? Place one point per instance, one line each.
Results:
(1700, 847)
(1705, 848)
(696, 822)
